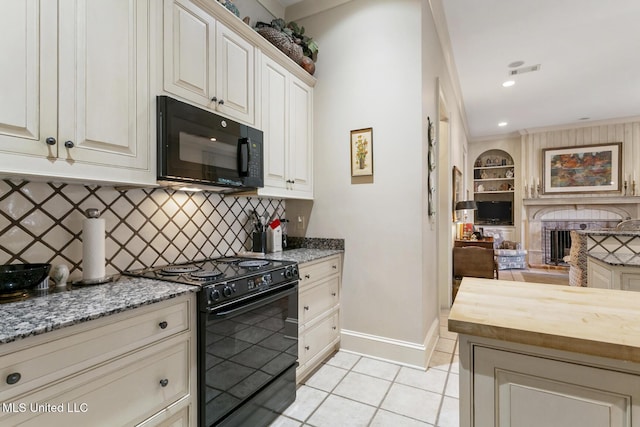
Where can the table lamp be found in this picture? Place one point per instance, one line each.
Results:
(465, 228)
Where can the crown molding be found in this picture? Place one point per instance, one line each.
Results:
(307, 8)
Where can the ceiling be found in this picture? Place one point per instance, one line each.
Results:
(588, 51)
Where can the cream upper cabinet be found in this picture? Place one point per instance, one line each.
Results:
(286, 120)
(28, 81)
(78, 101)
(207, 63)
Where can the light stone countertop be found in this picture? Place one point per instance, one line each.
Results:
(302, 255)
(597, 322)
(46, 312)
(625, 260)
(43, 313)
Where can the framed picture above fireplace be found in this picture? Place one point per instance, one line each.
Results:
(582, 169)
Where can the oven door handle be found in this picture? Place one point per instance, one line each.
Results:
(239, 307)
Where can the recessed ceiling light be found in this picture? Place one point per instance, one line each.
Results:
(508, 83)
(502, 124)
(516, 64)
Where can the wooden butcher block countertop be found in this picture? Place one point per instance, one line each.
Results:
(598, 322)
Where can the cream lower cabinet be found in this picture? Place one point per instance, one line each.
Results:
(521, 386)
(318, 312)
(136, 367)
(77, 100)
(607, 276)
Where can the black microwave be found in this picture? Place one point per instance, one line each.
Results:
(202, 150)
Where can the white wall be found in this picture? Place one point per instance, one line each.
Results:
(371, 73)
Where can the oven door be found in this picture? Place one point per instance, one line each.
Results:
(248, 353)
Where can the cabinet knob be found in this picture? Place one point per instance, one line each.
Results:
(221, 102)
(306, 307)
(333, 294)
(69, 144)
(306, 347)
(214, 99)
(334, 328)
(335, 267)
(13, 378)
(163, 325)
(50, 141)
(164, 382)
(307, 276)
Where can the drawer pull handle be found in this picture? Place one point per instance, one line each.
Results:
(163, 325)
(164, 382)
(306, 276)
(335, 267)
(13, 378)
(333, 294)
(306, 347)
(306, 307)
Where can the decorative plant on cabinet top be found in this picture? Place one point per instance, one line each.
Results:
(290, 39)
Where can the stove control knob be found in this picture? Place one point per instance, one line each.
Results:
(294, 271)
(288, 273)
(227, 291)
(215, 295)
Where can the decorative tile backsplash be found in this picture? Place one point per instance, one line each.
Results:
(42, 222)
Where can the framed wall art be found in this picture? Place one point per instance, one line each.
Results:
(582, 169)
(362, 152)
(457, 190)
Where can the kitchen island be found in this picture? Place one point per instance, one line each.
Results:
(536, 354)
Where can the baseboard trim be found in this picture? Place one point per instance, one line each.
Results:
(388, 349)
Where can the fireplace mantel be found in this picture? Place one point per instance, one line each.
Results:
(570, 201)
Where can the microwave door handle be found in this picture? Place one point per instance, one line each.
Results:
(243, 156)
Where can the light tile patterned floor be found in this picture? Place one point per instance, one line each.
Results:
(351, 390)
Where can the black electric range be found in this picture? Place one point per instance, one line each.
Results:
(247, 336)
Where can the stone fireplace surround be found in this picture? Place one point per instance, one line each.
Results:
(575, 213)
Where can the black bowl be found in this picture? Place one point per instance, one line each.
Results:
(19, 277)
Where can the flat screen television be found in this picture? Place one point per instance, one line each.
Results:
(494, 212)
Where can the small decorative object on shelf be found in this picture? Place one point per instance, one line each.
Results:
(230, 6)
(290, 39)
(509, 173)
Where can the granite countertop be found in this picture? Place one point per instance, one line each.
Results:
(302, 255)
(610, 232)
(54, 310)
(48, 312)
(598, 322)
(626, 260)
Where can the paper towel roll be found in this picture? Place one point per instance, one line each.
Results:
(93, 248)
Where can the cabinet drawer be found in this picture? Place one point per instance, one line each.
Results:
(318, 299)
(312, 271)
(51, 360)
(316, 339)
(120, 393)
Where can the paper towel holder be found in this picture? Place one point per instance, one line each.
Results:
(94, 213)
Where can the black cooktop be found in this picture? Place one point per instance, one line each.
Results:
(211, 271)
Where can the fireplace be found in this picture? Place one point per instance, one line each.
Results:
(556, 237)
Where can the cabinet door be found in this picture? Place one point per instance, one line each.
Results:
(300, 136)
(630, 281)
(274, 90)
(189, 51)
(104, 97)
(28, 76)
(319, 299)
(235, 74)
(516, 390)
(599, 276)
(317, 339)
